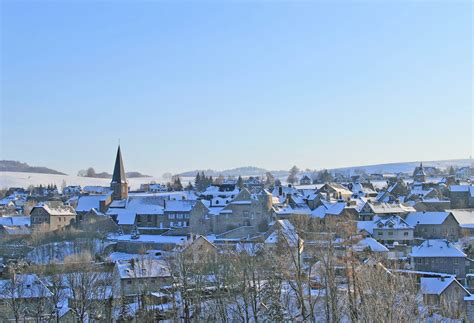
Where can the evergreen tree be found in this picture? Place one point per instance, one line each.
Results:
(240, 182)
(189, 187)
(198, 182)
(177, 184)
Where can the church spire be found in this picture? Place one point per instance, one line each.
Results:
(119, 184)
(119, 172)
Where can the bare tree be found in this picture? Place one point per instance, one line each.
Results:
(13, 291)
(87, 293)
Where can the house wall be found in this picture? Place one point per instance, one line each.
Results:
(390, 235)
(449, 229)
(39, 219)
(452, 301)
(59, 221)
(461, 200)
(470, 310)
(449, 265)
(253, 214)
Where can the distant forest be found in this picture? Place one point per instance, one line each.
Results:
(90, 172)
(16, 166)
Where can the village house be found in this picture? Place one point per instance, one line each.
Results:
(138, 277)
(389, 230)
(198, 248)
(51, 216)
(336, 191)
(439, 255)
(419, 174)
(465, 218)
(250, 212)
(444, 294)
(461, 196)
(369, 210)
(434, 225)
(27, 293)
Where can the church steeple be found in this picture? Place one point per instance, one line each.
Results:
(119, 181)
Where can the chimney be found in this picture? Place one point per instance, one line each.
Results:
(280, 190)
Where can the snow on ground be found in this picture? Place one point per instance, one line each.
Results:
(56, 252)
(19, 179)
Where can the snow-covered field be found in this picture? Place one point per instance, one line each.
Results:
(18, 179)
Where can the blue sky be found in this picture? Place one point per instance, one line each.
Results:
(191, 85)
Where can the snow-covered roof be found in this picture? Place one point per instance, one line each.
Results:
(386, 208)
(415, 218)
(436, 285)
(88, 202)
(328, 208)
(391, 222)
(301, 209)
(436, 248)
(465, 217)
(56, 209)
(462, 188)
(370, 243)
(30, 286)
(366, 225)
(358, 188)
(144, 267)
(137, 204)
(287, 230)
(150, 238)
(15, 220)
(179, 206)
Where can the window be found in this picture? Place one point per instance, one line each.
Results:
(171, 223)
(455, 261)
(179, 223)
(129, 281)
(390, 233)
(380, 233)
(149, 218)
(405, 234)
(59, 219)
(179, 216)
(170, 216)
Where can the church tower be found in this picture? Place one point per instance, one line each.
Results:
(119, 184)
(419, 174)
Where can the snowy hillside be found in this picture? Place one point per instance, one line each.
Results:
(18, 179)
(404, 167)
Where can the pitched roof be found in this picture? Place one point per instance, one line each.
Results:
(56, 208)
(143, 267)
(436, 285)
(415, 218)
(436, 248)
(392, 222)
(465, 217)
(88, 202)
(370, 243)
(119, 172)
